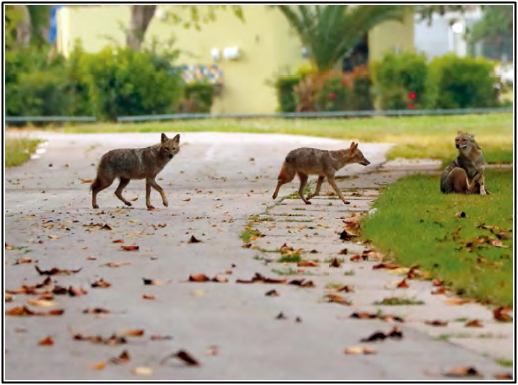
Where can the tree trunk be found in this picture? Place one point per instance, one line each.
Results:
(141, 16)
(23, 28)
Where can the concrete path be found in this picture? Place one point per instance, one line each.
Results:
(218, 186)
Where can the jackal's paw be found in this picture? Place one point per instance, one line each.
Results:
(166, 204)
(347, 203)
(483, 192)
(307, 202)
(150, 207)
(127, 203)
(95, 206)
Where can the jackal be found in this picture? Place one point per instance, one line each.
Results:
(135, 163)
(465, 175)
(311, 161)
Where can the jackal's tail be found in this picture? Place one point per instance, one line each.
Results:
(95, 184)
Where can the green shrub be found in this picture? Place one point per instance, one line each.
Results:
(125, 82)
(463, 82)
(284, 86)
(78, 85)
(401, 81)
(199, 97)
(335, 95)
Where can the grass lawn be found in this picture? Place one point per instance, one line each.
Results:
(416, 137)
(416, 223)
(19, 150)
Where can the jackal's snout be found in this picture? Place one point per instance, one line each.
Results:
(365, 162)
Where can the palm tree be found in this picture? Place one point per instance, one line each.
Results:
(330, 32)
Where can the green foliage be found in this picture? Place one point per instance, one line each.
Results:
(423, 219)
(284, 86)
(330, 32)
(463, 82)
(200, 97)
(125, 82)
(496, 23)
(18, 150)
(397, 76)
(335, 95)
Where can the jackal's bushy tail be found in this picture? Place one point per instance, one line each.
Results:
(95, 184)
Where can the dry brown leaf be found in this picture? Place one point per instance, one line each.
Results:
(335, 263)
(118, 241)
(438, 290)
(198, 278)
(346, 289)
(457, 301)
(25, 260)
(131, 333)
(504, 376)
(355, 258)
(23, 311)
(359, 350)
(56, 271)
(96, 310)
(152, 282)
(86, 180)
(185, 357)
(474, 323)
(73, 291)
(335, 298)
(130, 248)
(307, 264)
(272, 293)
(363, 315)
(41, 303)
(463, 371)
(112, 340)
(403, 284)
(8, 246)
(437, 282)
(106, 226)
(219, 278)
(8, 297)
(48, 341)
(123, 358)
(193, 239)
(99, 366)
(212, 350)
(53, 237)
(148, 296)
(501, 314)
(389, 266)
(286, 249)
(101, 283)
(436, 323)
(159, 337)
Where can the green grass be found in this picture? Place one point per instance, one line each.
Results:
(504, 362)
(19, 150)
(415, 222)
(398, 301)
(290, 258)
(416, 137)
(247, 234)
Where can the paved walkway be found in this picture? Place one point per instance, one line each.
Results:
(218, 186)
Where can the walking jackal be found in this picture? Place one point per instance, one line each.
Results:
(311, 161)
(465, 175)
(135, 163)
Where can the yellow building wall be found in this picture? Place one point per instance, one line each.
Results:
(392, 36)
(268, 47)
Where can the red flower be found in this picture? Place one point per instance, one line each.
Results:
(344, 82)
(411, 95)
(410, 106)
(332, 95)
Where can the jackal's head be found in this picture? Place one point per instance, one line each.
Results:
(169, 147)
(357, 155)
(464, 141)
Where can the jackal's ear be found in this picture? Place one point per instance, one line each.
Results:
(354, 146)
(459, 132)
(164, 138)
(177, 138)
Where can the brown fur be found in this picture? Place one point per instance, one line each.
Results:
(465, 175)
(311, 161)
(140, 163)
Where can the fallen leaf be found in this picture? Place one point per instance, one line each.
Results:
(187, 199)
(148, 296)
(100, 366)
(280, 316)
(377, 336)
(345, 236)
(198, 278)
(131, 333)
(116, 264)
(501, 314)
(96, 310)
(436, 323)
(56, 271)
(25, 260)
(212, 350)
(343, 252)
(85, 180)
(359, 350)
(355, 258)
(46, 296)
(474, 323)
(219, 278)
(403, 284)
(48, 341)
(193, 240)
(335, 298)
(152, 282)
(8, 246)
(307, 264)
(396, 333)
(143, 371)
(186, 358)
(504, 376)
(130, 248)
(346, 289)
(41, 303)
(106, 227)
(286, 249)
(335, 263)
(272, 293)
(438, 290)
(53, 237)
(123, 358)
(457, 301)
(112, 340)
(437, 282)
(73, 291)
(101, 283)
(463, 371)
(389, 266)
(118, 241)
(159, 337)
(23, 311)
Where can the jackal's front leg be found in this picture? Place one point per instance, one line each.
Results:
(152, 183)
(331, 180)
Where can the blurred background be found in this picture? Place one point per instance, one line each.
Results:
(108, 61)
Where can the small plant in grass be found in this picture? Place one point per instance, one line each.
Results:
(349, 272)
(290, 258)
(19, 150)
(334, 285)
(299, 208)
(461, 319)
(330, 260)
(268, 251)
(504, 362)
(395, 301)
(290, 271)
